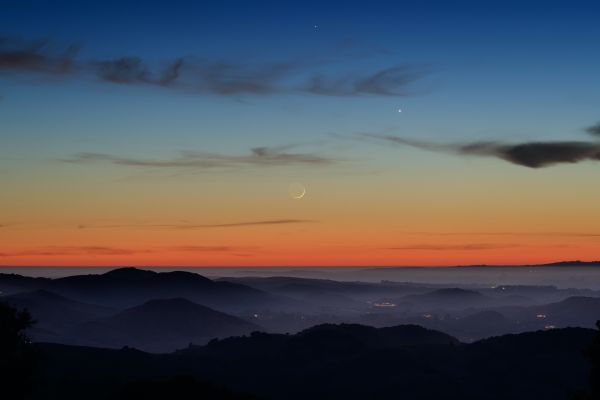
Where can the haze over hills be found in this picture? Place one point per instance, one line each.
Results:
(160, 326)
(55, 313)
(76, 307)
(450, 298)
(126, 287)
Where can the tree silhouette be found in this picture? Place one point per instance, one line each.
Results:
(181, 387)
(593, 355)
(17, 359)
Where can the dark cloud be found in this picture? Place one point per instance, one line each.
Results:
(536, 154)
(446, 247)
(394, 81)
(529, 154)
(19, 55)
(225, 78)
(258, 157)
(594, 130)
(133, 70)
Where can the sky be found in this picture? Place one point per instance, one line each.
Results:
(256, 133)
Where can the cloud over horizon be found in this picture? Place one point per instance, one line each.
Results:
(534, 154)
(73, 251)
(258, 157)
(445, 247)
(47, 251)
(594, 129)
(200, 226)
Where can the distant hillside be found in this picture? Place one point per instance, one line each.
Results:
(160, 326)
(54, 313)
(576, 263)
(573, 311)
(127, 287)
(14, 283)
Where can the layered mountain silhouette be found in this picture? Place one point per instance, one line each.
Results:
(160, 326)
(127, 287)
(83, 309)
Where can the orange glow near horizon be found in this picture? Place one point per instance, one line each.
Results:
(450, 215)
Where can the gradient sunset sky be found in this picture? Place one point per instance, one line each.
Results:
(424, 133)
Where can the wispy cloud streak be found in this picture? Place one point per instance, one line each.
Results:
(393, 81)
(258, 157)
(450, 247)
(201, 226)
(73, 251)
(197, 75)
(70, 251)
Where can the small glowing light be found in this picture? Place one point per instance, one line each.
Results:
(541, 316)
(384, 304)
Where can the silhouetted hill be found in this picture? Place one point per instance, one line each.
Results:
(324, 341)
(480, 324)
(474, 324)
(573, 311)
(399, 362)
(13, 283)
(54, 313)
(127, 287)
(160, 326)
(130, 274)
(576, 263)
(326, 335)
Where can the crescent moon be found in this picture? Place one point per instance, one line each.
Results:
(301, 194)
(297, 190)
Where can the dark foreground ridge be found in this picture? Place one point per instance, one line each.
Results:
(336, 362)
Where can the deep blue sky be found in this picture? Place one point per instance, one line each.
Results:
(487, 59)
